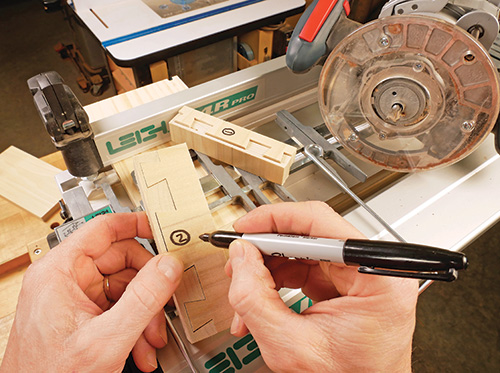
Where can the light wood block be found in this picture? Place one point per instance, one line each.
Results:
(232, 144)
(29, 182)
(128, 100)
(179, 214)
(18, 227)
(123, 77)
(159, 71)
(261, 42)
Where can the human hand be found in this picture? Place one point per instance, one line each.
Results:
(358, 322)
(64, 321)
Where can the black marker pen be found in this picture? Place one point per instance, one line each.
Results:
(374, 257)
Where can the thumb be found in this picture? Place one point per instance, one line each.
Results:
(253, 295)
(144, 297)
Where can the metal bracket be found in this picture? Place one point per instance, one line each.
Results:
(80, 209)
(313, 144)
(227, 182)
(304, 135)
(259, 184)
(233, 192)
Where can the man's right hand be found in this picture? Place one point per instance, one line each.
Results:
(358, 322)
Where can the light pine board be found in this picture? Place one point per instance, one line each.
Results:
(29, 182)
(232, 144)
(179, 214)
(19, 227)
(131, 99)
(223, 217)
(127, 101)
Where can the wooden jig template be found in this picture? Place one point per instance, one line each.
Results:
(29, 182)
(178, 213)
(232, 144)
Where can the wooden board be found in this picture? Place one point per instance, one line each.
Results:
(19, 227)
(159, 71)
(29, 182)
(232, 144)
(124, 170)
(179, 214)
(127, 101)
(131, 99)
(123, 77)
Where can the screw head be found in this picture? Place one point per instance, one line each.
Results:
(382, 136)
(384, 41)
(37, 251)
(468, 125)
(353, 137)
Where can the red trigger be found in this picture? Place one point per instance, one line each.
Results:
(318, 17)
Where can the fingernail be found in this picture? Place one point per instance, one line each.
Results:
(170, 266)
(236, 251)
(151, 359)
(163, 334)
(235, 324)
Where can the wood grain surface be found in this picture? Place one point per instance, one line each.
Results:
(29, 182)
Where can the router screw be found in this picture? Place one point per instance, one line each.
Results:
(384, 41)
(468, 125)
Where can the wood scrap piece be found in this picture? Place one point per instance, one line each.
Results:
(18, 227)
(178, 214)
(124, 170)
(159, 71)
(232, 144)
(29, 182)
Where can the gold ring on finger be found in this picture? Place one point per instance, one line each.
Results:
(106, 288)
